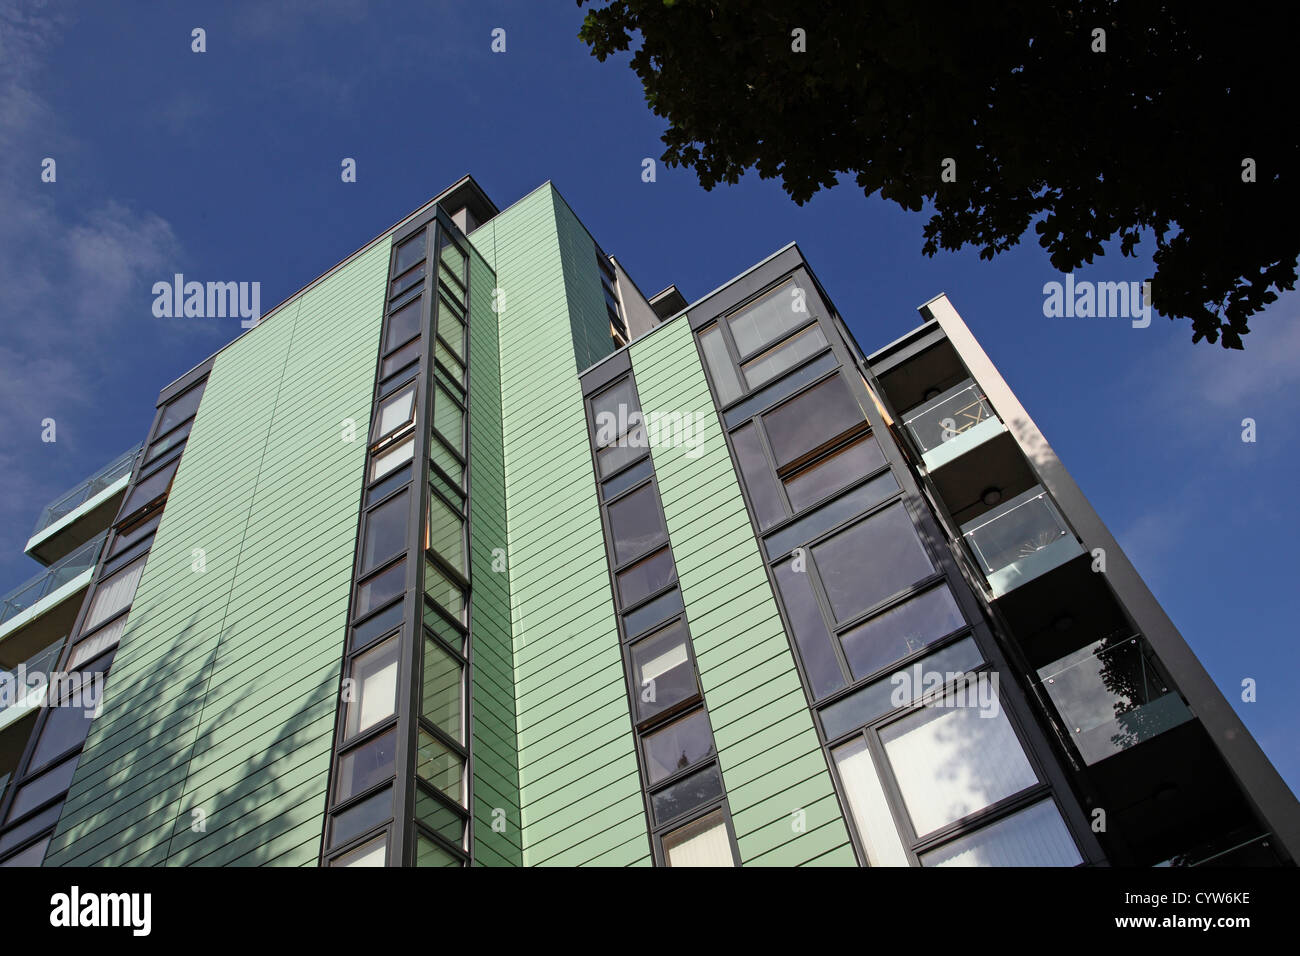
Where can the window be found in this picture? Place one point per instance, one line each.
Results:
(452, 364)
(114, 594)
(394, 457)
(406, 280)
(814, 641)
(445, 533)
(767, 319)
(377, 625)
(653, 612)
(780, 359)
(385, 532)
(400, 359)
(636, 524)
(180, 408)
(687, 794)
(952, 759)
(168, 442)
(662, 672)
(646, 577)
(812, 420)
(409, 253)
(444, 591)
(440, 693)
(614, 411)
(94, 645)
(448, 419)
(679, 745)
(404, 325)
(395, 412)
(66, 726)
(703, 842)
(867, 804)
(428, 853)
(366, 765)
(629, 448)
(443, 457)
(837, 470)
(49, 784)
(150, 488)
(380, 588)
(452, 258)
(1034, 836)
(368, 854)
(622, 482)
(440, 766)
(871, 561)
(723, 373)
(360, 817)
(764, 495)
(129, 537)
(901, 631)
(374, 688)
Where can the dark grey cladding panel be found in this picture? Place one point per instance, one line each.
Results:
(611, 368)
(747, 285)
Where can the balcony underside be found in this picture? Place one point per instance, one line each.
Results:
(74, 529)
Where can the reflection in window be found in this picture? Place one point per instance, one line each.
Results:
(723, 373)
(1034, 836)
(702, 842)
(661, 669)
(768, 318)
(867, 803)
(385, 534)
(901, 631)
(835, 471)
(812, 420)
(764, 495)
(871, 561)
(645, 577)
(679, 745)
(636, 524)
(810, 634)
(779, 360)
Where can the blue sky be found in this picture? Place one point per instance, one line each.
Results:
(225, 166)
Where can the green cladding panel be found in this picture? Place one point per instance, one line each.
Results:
(213, 746)
(772, 762)
(494, 745)
(578, 781)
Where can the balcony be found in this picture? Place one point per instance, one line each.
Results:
(1019, 540)
(76, 516)
(13, 707)
(36, 613)
(952, 423)
(1112, 695)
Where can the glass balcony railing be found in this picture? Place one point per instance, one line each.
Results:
(40, 663)
(1020, 539)
(946, 416)
(67, 503)
(52, 578)
(1112, 695)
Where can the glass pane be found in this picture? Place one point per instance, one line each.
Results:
(1015, 530)
(97, 643)
(450, 635)
(679, 745)
(444, 534)
(444, 591)
(373, 690)
(835, 511)
(65, 727)
(363, 767)
(661, 668)
(441, 693)
(382, 587)
(406, 280)
(620, 483)
(652, 613)
(438, 765)
(723, 373)
(444, 355)
(149, 488)
(428, 853)
(777, 361)
(947, 416)
(404, 324)
(952, 759)
(32, 856)
(114, 594)
(702, 842)
(47, 785)
(373, 627)
(687, 794)
(901, 631)
(760, 481)
(439, 817)
(134, 535)
(381, 490)
(452, 257)
(385, 534)
(1034, 836)
(898, 689)
(443, 458)
(636, 524)
(356, 820)
(385, 461)
(400, 359)
(29, 828)
(394, 412)
(632, 446)
(870, 561)
(368, 854)
(1112, 695)
(451, 327)
(448, 419)
(614, 411)
(768, 318)
(781, 388)
(180, 408)
(867, 803)
(168, 442)
(409, 253)
(810, 633)
(811, 420)
(645, 577)
(834, 472)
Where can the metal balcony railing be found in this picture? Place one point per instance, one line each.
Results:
(52, 578)
(70, 501)
(42, 662)
(946, 416)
